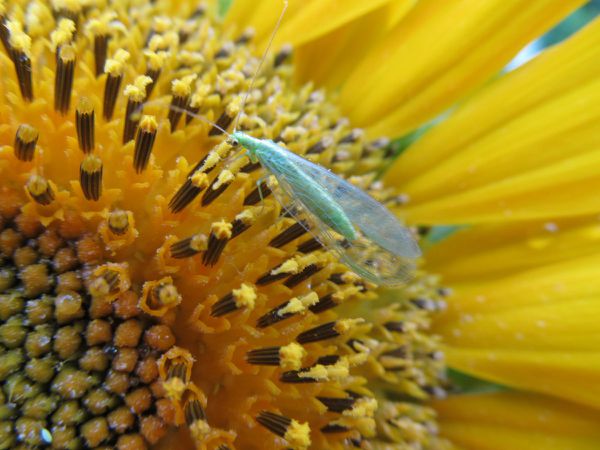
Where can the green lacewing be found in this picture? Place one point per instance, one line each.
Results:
(363, 232)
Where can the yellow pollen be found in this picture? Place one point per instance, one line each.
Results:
(85, 105)
(344, 325)
(199, 430)
(63, 33)
(27, 133)
(212, 159)
(100, 26)
(91, 163)
(245, 296)
(291, 356)
(199, 242)
(247, 216)
(68, 5)
(37, 185)
(346, 292)
(350, 277)
(118, 219)
(137, 91)
(222, 230)
(237, 164)
(174, 388)
(160, 296)
(183, 87)
(116, 65)
(175, 355)
(363, 407)
(18, 39)
(155, 60)
(299, 304)
(148, 123)
(320, 372)
(168, 295)
(67, 53)
(200, 180)
(293, 133)
(224, 177)
(290, 266)
(297, 435)
(196, 100)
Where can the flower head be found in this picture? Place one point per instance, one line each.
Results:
(151, 290)
(158, 291)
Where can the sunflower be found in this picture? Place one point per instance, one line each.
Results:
(155, 294)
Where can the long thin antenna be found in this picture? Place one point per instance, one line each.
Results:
(277, 25)
(172, 107)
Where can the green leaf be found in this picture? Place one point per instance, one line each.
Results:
(462, 383)
(223, 7)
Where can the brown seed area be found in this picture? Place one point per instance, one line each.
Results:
(81, 370)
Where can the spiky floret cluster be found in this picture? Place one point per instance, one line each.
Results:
(154, 227)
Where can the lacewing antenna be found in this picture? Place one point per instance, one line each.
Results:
(138, 111)
(264, 56)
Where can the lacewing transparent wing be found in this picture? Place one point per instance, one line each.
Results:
(384, 250)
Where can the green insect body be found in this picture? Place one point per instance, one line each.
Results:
(370, 239)
(314, 198)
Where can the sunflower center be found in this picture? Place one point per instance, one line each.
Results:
(152, 277)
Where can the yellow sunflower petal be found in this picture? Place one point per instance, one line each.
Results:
(530, 323)
(542, 348)
(493, 250)
(440, 52)
(563, 281)
(566, 374)
(329, 59)
(304, 20)
(517, 421)
(522, 149)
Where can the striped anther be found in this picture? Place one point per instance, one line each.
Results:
(217, 187)
(219, 235)
(318, 333)
(20, 46)
(85, 125)
(261, 191)
(294, 231)
(181, 92)
(193, 412)
(25, 141)
(144, 141)
(275, 423)
(135, 94)
(90, 177)
(63, 81)
(114, 68)
(268, 356)
(295, 433)
(118, 222)
(337, 405)
(225, 119)
(188, 191)
(40, 190)
(100, 52)
(189, 246)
